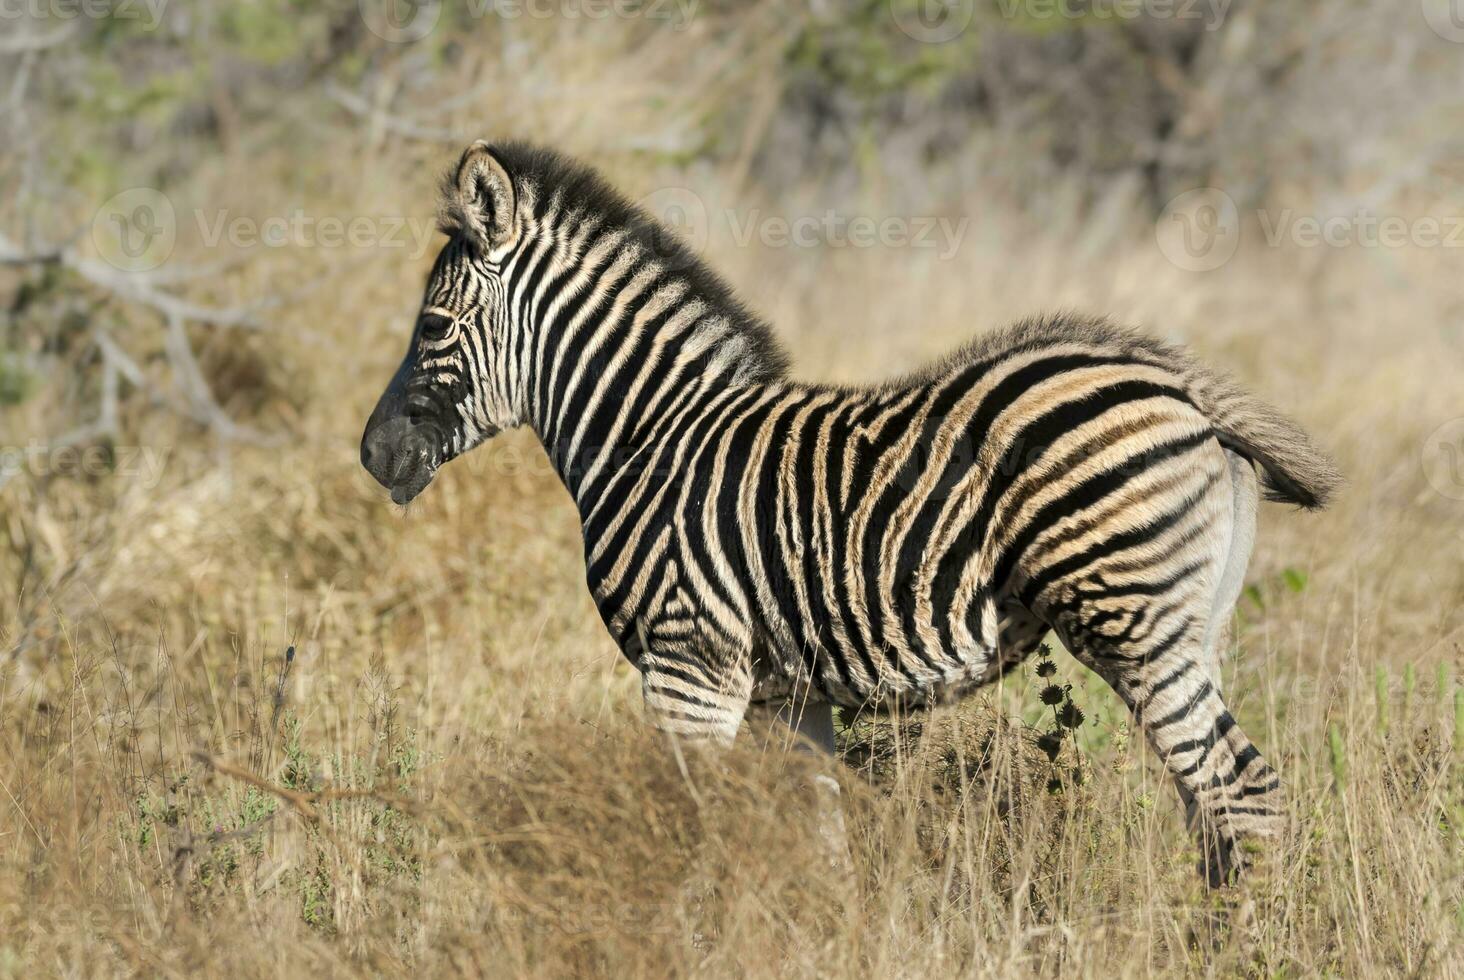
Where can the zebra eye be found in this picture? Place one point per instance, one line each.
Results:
(435, 326)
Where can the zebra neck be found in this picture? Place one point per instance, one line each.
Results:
(608, 396)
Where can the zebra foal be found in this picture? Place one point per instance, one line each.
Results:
(751, 539)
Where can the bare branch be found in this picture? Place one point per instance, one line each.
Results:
(37, 42)
(358, 106)
(10, 255)
(134, 287)
(306, 804)
(138, 290)
(198, 402)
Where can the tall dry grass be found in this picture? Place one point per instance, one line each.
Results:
(450, 773)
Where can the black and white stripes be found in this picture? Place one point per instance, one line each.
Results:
(748, 537)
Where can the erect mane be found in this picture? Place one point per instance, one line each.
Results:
(1046, 330)
(551, 174)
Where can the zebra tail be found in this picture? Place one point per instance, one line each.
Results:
(1293, 469)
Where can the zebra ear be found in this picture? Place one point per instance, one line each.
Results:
(483, 200)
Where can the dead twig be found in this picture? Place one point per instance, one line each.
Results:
(136, 288)
(195, 399)
(306, 802)
(26, 42)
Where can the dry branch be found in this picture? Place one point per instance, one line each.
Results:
(305, 802)
(199, 403)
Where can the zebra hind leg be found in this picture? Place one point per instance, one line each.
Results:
(1165, 664)
(1230, 793)
(1237, 795)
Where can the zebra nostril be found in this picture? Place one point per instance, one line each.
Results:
(381, 443)
(418, 406)
(376, 452)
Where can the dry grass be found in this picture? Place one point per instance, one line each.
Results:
(451, 775)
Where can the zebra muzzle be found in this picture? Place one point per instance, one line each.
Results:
(402, 455)
(414, 467)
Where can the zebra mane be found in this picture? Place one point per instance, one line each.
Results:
(549, 174)
(1044, 330)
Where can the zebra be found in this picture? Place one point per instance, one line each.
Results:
(753, 540)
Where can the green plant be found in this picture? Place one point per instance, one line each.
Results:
(1067, 718)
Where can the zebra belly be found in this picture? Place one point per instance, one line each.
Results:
(793, 681)
(838, 627)
(830, 662)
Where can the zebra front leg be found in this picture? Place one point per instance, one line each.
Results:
(808, 726)
(693, 698)
(698, 701)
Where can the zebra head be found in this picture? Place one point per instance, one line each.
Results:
(453, 389)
